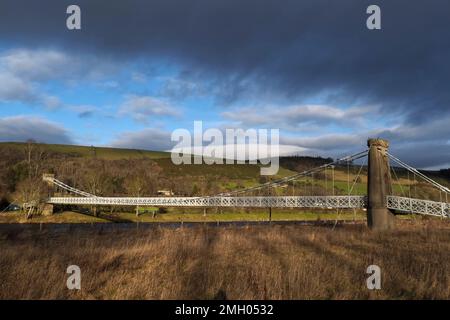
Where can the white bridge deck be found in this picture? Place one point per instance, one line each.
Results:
(411, 205)
(274, 202)
(401, 204)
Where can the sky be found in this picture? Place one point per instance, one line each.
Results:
(137, 70)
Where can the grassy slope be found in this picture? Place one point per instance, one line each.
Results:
(100, 152)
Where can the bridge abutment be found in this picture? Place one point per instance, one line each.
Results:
(379, 186)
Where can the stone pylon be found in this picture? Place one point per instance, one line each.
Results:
(48, 208)
(379, 186)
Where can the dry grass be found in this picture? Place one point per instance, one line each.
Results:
(260, 262)
(187, 215)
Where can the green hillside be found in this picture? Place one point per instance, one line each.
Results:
(92, 151)
(130, 172)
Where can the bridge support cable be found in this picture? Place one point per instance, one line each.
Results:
(420, 174)
(280, 181)
(419, 206)
(66, 187)
(409, 184)
(357, 176)
(398, 182)
(348, 177)
(332, 177)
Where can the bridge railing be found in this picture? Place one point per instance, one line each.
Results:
(419, 206)
(401, 204)
(266, 202)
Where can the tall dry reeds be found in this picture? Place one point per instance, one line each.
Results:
(259, 262)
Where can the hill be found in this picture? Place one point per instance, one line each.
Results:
(131, 172)
(89, 151)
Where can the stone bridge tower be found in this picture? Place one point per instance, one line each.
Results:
(48, 208)
(379, 186)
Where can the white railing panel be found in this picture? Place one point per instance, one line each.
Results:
(419, 206)
(274, 201)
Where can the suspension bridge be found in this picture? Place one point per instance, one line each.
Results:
(380, 201)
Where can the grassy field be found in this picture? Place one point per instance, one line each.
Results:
(188, 216)
(259, 262)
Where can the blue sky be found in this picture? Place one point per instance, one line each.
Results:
(319, 76)
(95, 103)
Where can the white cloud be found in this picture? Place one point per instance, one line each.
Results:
(22, 128)
(147, 139)
(36, 64)
(13, 88)
(24, 74)
(329, 142)
(51, 102)
(142, 108)
(180, 88)
(250, 151)
(300, 117)
(23, 71)
(156, 139)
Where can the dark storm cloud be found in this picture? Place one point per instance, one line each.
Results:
(422, 145)
(275, 49)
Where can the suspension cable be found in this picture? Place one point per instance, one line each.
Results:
(296, 176)
(414, 170)
(268, 184)
(357, 176)
(409, 185)
(348, 178)
(67, 187)
(398, 181)
(332, 171)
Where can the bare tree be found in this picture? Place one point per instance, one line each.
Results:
(139, 182)
(32, 189)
